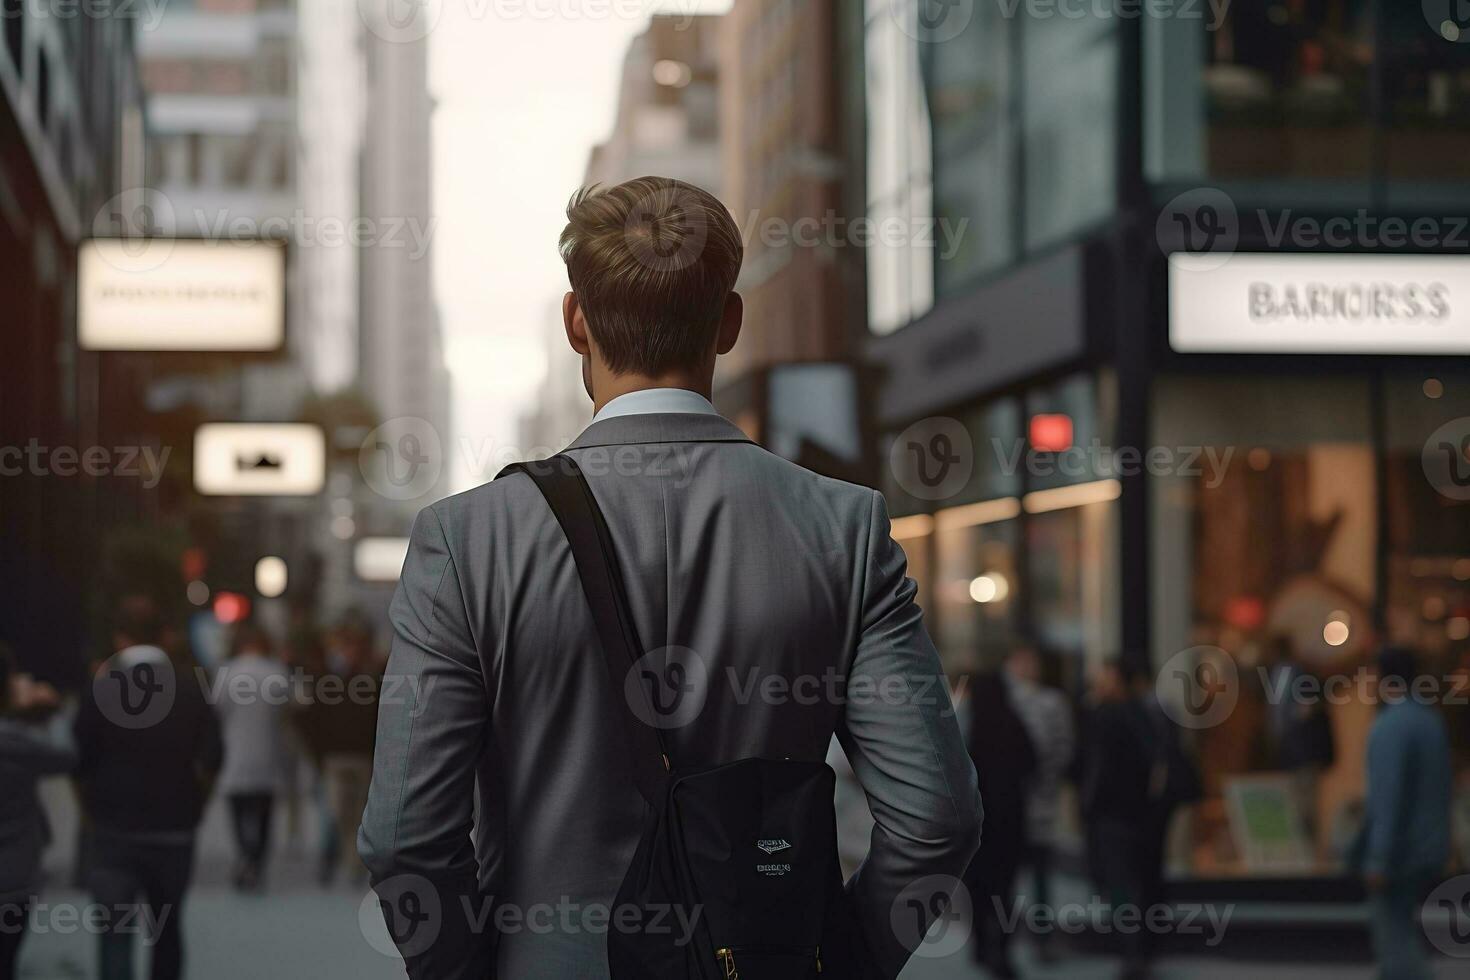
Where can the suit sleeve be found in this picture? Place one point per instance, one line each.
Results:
(900, 733)
(432, 716)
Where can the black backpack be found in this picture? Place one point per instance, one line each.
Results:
(746, 851)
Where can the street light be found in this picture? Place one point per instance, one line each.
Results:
(271, 576)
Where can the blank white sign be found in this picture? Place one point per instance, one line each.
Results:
(179, 295)
(379, 559)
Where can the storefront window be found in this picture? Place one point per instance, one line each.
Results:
(1072, 520)
(1428, 520)
(1264, 538)
(982, 146)
(976, 569)
(1070, 112)
(1285, 90)
(1276, 90)
(972, 100)
(1426, 97)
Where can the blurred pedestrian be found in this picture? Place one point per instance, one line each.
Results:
(35, 741)
(1405, 843)
(1005, 763)
(1117, 806)
(150, 749)
(345, 728)
(256, 695)
(1048, 719)
(1301, 731)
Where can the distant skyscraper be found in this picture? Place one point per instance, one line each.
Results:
(668, 107)
(401, 351)
(781, 135)
(332, 111)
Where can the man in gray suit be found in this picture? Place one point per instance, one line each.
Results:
(780, 595)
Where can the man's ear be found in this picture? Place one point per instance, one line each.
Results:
(730, 322)
(575, 324)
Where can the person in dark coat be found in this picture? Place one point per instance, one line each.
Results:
(1005, 762)
(35, 741)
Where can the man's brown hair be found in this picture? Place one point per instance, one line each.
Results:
(652, 262)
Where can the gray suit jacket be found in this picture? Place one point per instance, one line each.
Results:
(786, 586)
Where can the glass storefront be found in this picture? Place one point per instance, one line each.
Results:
(1027, 550)
(1297, 533)
(987, 146)
(1305, 92)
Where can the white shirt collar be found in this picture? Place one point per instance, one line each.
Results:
(656, 401)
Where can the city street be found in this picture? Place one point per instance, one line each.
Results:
(302, 929)
(562, 423)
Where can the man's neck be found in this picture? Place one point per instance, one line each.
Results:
(608, 387)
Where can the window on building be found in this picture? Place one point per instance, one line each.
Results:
(1070, 122)
(972, 98)
(1330, 94)
(984, 144)
(899, 155)
(1264, 545)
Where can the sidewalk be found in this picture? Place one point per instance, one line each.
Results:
(300, 929)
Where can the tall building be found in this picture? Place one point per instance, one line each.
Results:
(71, 140)
(332, 110)
(1167, 372)
(402, 370)
(667, 121)
(222, 112)
(790, 382)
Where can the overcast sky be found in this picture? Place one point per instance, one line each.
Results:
(522, 99)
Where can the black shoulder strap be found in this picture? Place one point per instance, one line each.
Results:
(561, 482)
